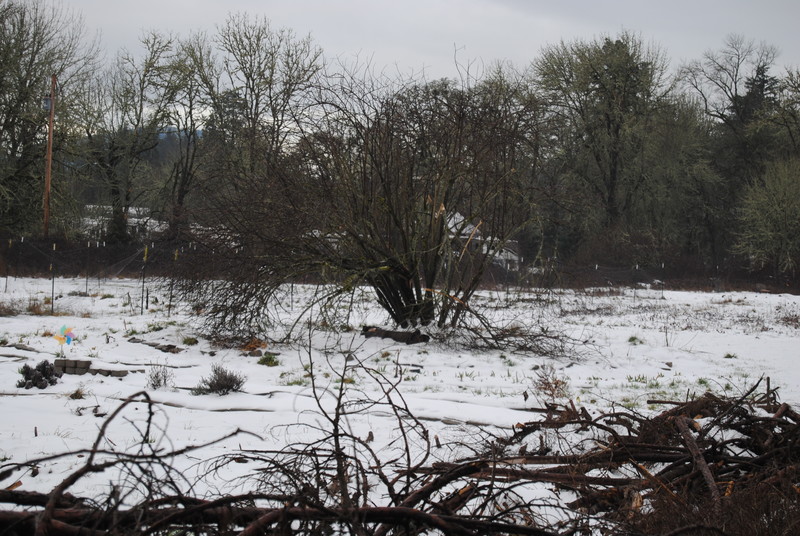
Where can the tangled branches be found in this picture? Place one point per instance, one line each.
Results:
(334, 483)
(713, 465)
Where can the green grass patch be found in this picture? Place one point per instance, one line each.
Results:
(269, 359)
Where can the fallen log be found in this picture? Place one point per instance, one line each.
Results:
(407, 337)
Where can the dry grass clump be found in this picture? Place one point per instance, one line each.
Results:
(10, 308)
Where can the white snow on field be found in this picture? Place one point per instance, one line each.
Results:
(626, 347)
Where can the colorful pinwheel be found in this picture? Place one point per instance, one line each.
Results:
(65, 336)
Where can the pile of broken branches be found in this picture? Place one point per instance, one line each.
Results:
(709, 466)
(712, 465)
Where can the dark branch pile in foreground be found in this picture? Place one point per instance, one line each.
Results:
(722, 466)
(710, 466)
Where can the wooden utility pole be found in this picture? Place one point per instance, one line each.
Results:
(48, 166)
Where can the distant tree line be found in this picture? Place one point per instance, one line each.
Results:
(251, 139)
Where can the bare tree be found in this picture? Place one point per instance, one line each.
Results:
(788, 117)
(181, 146)
(740, 95)
(426, 188)
(126, 114)
(37, 40)
(408, 186)
(255, 82)
(720, 78)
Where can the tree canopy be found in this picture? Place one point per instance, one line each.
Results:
(290, 166)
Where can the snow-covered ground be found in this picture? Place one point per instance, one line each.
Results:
(625, 347)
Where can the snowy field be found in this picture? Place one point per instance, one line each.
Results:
(625, 348)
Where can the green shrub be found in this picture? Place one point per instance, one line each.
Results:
(269, 359)
(769, 215)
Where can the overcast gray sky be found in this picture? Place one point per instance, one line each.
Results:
(412, 34)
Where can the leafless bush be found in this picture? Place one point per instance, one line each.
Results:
(408, 187)
(160, 377)
(221, 382)
(550, 385)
